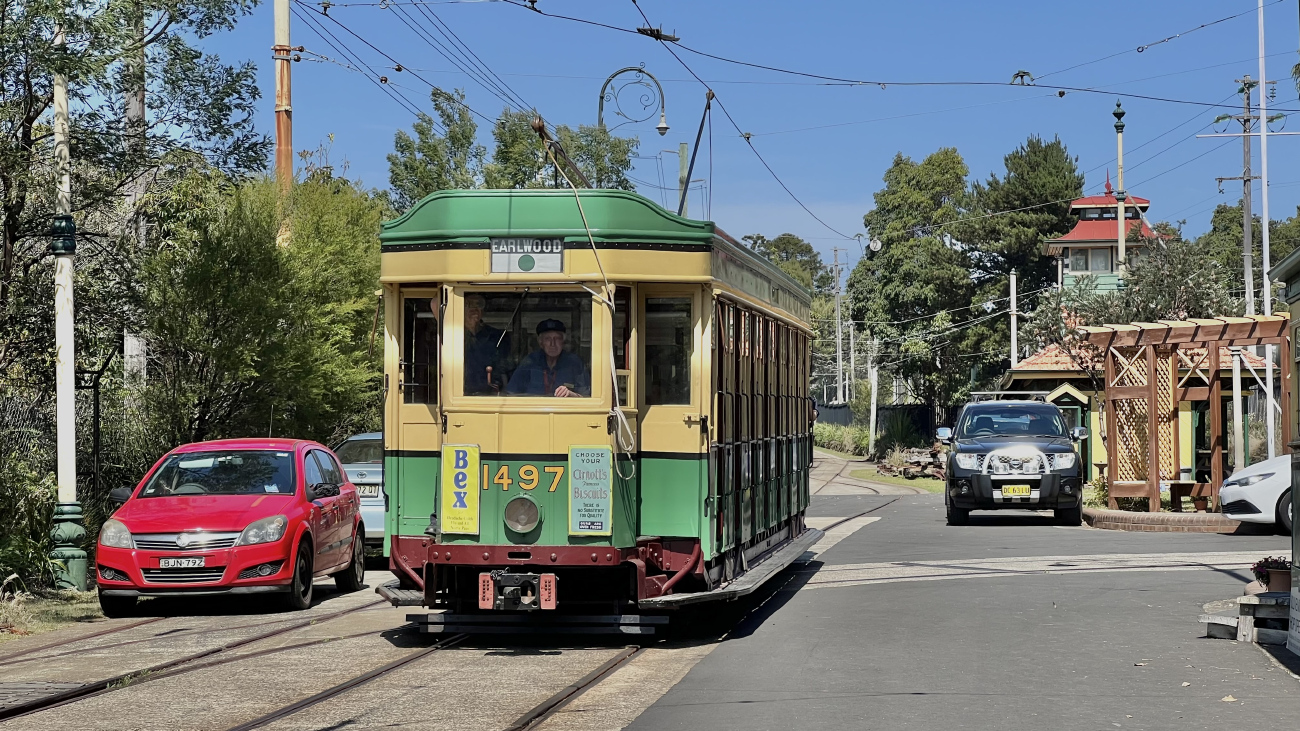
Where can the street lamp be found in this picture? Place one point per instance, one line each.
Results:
(647, 98)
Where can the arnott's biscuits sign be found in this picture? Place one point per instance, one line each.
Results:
(527, 255)
(591, 491)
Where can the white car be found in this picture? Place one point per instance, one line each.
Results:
(1260, 493)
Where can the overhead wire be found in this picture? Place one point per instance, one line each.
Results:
(340, 48)
(743, 134)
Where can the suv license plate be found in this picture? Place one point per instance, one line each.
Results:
(181, 563)
(368, 490)
(1015, 491)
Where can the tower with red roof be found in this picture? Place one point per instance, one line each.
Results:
(1091, 247)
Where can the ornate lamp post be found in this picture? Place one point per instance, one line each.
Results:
(647, 98)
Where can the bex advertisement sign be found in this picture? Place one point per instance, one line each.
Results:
(460, 488)
(591, 491)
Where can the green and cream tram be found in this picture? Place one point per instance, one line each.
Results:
(595, 410)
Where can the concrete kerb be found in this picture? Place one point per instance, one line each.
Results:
(1161, 522)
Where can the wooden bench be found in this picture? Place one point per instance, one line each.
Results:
(1204, 495)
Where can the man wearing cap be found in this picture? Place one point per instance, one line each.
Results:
(485, 351)
(550, 370)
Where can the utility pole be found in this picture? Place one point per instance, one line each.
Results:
(683, 175)
(1270, 419)
(873, 369)
(282, 53)
(1247, 119)
(1120, 196)
(1238, 420)
(67, 530)
(853, 361)
(1015, 349)
(839, 334)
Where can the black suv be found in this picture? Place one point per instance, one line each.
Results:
(1013, 454)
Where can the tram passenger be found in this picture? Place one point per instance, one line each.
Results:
(486, 348)
(551, 370)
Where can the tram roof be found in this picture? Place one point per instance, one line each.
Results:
(463, 219)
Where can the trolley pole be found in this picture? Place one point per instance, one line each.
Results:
(282, 53)
(67, 530)
(683, 175)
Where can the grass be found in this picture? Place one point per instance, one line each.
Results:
(31, 614)
(928, 484)
(841, 455)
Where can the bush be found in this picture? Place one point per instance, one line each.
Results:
(849, 439)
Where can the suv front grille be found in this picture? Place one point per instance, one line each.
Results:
(183, 576)
(185, 541)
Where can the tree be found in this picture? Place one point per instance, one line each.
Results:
(199, 112)
(795, 257)
(434, 159)
(920, 271)
(1009, 221)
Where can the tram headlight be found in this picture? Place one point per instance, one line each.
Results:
(522, 515)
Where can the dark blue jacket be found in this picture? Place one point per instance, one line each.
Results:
(533, 378)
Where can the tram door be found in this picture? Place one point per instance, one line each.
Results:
(672, 434)
(411, 420)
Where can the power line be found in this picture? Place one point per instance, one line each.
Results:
(340, 48)
(840, 80)
(1142, 48)
(742, 133)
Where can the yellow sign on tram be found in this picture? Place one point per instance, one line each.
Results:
(460, 488)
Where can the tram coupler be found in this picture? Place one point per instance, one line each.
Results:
(517, 592)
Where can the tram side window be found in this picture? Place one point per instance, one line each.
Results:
(670, 342)
(419, 351)
(539, 344)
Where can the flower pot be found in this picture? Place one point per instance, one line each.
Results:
(1279, 580)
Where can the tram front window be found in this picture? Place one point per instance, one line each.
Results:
(528, 344)
(419, 348)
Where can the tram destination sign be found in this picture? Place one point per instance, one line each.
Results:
(591, 491)
(525, 255)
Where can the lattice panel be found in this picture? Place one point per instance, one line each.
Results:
(1167, 412)
(1130, 418)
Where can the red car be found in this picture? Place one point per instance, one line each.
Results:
(238, 516)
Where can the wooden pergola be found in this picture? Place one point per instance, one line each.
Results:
(1153, 366)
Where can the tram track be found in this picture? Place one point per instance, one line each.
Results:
(328, 693)
(9, 658)
(160, 670)
(549, 707)
(173, 634)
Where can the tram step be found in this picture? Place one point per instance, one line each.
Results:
(537, 623)
(755, 577)
(401, 597)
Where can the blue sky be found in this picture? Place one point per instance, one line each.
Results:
(829, 144)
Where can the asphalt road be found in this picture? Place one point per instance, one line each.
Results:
(1008, 623)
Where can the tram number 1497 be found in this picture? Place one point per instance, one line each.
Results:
(528, 476)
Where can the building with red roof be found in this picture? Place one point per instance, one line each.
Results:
(1092, 246)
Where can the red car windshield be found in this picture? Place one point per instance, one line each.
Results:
(231, 472)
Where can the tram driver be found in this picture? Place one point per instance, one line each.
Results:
(486, 350)
(551, 370)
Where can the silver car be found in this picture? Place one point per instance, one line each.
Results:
(363, 461)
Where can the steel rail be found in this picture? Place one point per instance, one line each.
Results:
(345, 686)
(191, 632)
(124, 679)
(5, 659)
(569, 693)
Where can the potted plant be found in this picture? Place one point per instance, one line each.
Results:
(1273, 573)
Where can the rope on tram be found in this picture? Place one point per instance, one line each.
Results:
(624, 440)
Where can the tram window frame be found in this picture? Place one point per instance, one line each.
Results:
(677, 396)
(624, 343)
(521, 328)
(412, 391)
